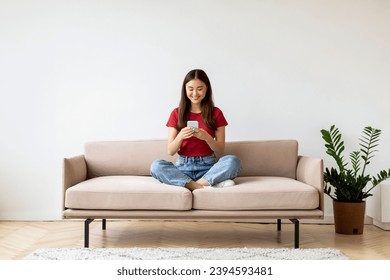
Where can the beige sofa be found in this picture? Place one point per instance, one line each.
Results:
(111, 181)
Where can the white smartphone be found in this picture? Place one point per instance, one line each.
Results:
(193, 124)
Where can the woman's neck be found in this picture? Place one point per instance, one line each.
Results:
(196, 108)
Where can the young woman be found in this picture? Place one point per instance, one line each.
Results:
(197, 165)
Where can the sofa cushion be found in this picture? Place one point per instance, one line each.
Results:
(127, 193)
(266, 158)
(258, 193)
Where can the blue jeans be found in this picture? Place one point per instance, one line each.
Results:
(194, 168)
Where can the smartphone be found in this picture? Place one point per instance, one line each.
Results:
(193, 124)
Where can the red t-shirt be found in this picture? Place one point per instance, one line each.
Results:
(193, 146)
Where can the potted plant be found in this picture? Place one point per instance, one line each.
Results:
(348, 184)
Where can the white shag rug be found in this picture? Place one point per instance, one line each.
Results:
(185, 254)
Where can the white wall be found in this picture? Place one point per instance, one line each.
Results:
(73, 71)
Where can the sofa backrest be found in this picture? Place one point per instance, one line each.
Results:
(106, 158)
(266, 157)
(259, 158)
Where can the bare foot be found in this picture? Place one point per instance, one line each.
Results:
(191, 185)
(203, 182)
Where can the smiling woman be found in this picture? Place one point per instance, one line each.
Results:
(196, 92)
(197, 166)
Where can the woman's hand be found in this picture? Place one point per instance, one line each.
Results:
(185, 133)
(175, 138)
(217, 144)
(202, 134)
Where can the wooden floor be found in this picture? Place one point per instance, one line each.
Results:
(19, 238)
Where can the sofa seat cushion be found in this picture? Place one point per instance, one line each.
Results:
(258, 193)
(127, 193)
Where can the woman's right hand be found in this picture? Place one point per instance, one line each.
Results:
(175, 138)
(185, 133)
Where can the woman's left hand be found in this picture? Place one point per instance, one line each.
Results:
(201, 134)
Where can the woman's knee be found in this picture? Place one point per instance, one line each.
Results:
(233, 161)
(157, 165)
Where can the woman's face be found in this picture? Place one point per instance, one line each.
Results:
(196, 91)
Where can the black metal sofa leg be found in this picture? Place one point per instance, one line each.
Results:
(86, 232)
(296, 232)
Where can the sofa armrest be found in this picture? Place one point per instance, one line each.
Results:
(74, 172)
(311, 171)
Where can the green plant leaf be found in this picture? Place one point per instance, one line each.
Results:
(334, 145)
(370, 136)
(355, 161)
(350, 184)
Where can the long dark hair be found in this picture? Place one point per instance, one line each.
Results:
(207, 104)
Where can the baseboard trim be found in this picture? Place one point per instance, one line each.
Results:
(384, 226)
